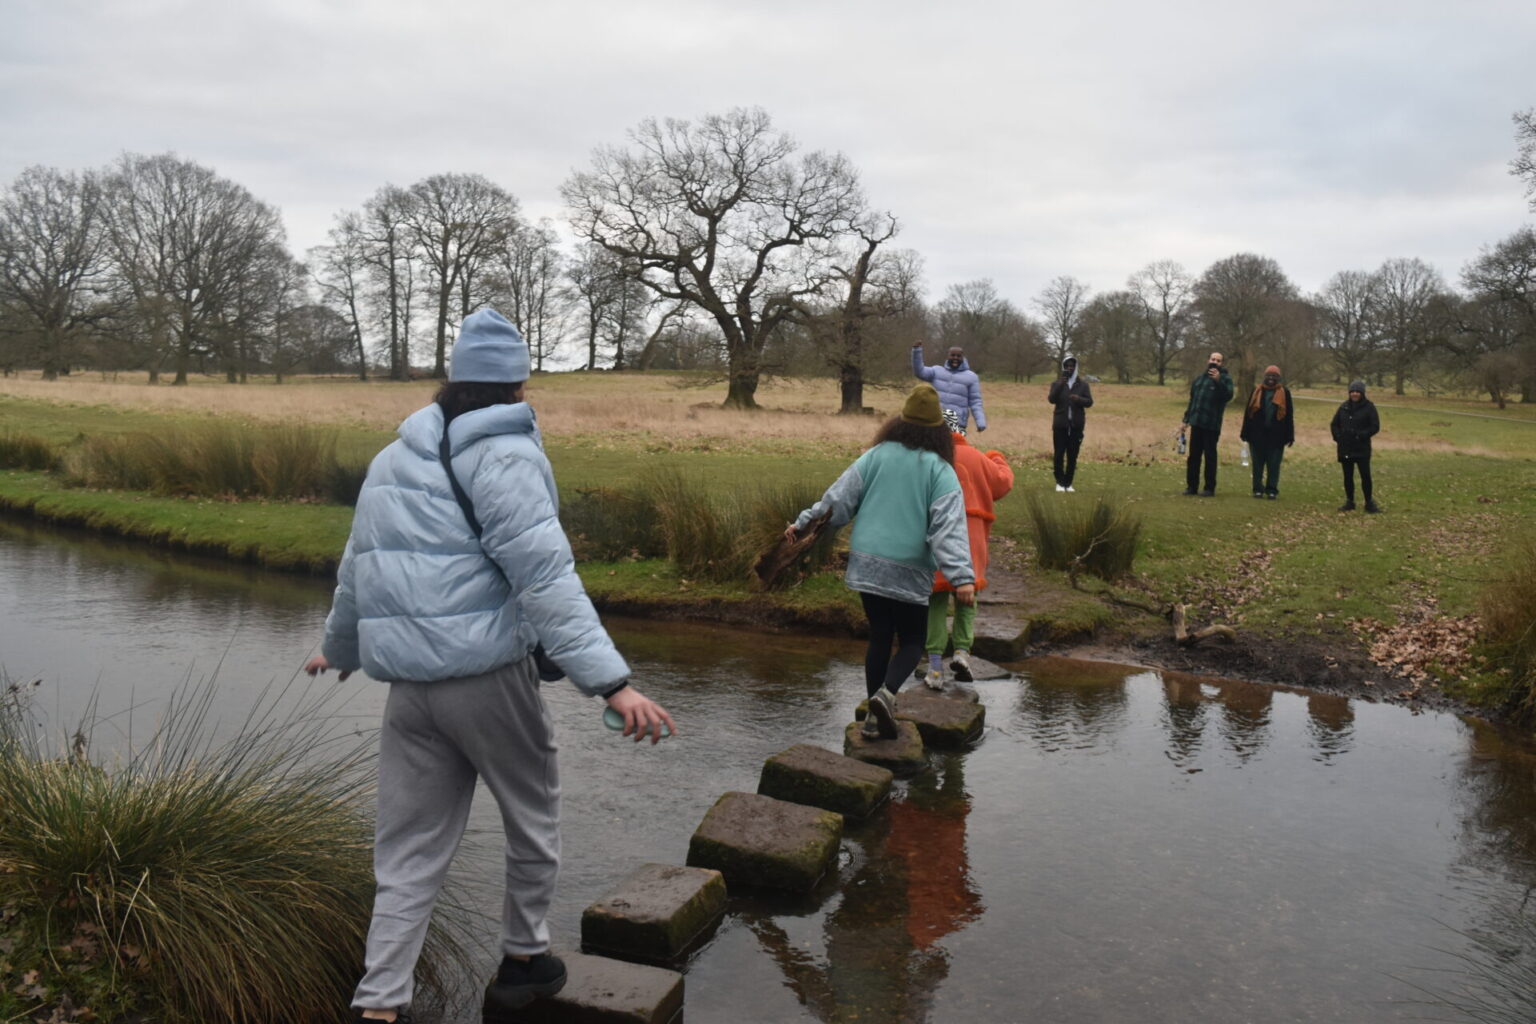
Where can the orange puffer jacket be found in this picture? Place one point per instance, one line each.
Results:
(985, 477)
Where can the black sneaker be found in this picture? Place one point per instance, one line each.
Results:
(1207, 493)
(961, 667)
(1190, 492)
(1258, 494)
(882, 708)
(1272, 495)
(1372, 507)
(1348, 506)
(518, 983)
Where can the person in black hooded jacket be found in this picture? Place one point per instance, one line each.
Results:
(1071, 396)
(1353, 427)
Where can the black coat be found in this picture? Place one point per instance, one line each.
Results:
(1061, 397)
(1274, 434)
(1353, 427)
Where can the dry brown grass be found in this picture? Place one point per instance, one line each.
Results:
(1128, 422)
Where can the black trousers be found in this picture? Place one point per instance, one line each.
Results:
(1066, 442)
(1202, 445)
(889, 620)
(1349, 478)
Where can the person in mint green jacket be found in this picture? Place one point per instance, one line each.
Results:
(908, 515)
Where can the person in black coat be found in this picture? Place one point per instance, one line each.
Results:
(1071, 397)
(1269, 427)
(1353, 427)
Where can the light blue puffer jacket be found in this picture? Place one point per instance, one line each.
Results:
(417, 598)
(959, 390)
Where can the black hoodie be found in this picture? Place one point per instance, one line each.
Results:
(1354, 425)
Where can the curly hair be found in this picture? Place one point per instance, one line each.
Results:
(934, 439)
(458, 397)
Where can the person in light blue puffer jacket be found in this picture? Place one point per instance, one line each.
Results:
(447, 601)
(957, 384)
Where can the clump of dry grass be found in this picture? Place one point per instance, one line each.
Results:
(1508, 613)
(23, 451)
(1100, 538)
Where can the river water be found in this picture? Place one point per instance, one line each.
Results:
(1123, 845)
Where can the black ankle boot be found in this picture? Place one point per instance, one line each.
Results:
(520, 982)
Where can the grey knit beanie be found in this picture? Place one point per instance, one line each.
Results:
(488, 350)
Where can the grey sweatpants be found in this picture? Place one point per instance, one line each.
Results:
(436, 739)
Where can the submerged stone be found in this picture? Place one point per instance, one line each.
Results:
(659, 913)
(603, 991)
(806, 774)
(944, 722)
(763, 843)
(903, 755)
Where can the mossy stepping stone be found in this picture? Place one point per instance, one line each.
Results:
(761, 843)
(603, 991)
(805, 774)
(945, 723)
(903, 755)
(658, 914)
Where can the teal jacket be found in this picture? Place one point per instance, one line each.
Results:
(1208, 400)
(908, 518)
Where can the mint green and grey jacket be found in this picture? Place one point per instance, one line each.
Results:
(908, 517)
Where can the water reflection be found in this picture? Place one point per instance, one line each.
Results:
(910, 888)
(1069, 704)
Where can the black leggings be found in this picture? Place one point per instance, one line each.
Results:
(892, 619)
(1365, 478)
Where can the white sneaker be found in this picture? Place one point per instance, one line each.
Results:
(882, 708)
(1071, 490)
(934, 679)
(1060, 489)
(960, 665)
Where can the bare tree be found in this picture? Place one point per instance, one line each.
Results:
(1061, 307)
(341, 271)
(1111, 330)
(1502, 283)
(1164, 290)
(1524, 163)
(386, 248)
(185, 242)
(1407, 317)
(456, 222)
(719, 213)
(526, 269)
(1348, 309)
(973, 316)
(866, 295)
(51, 260)
(1244, 304)
(610, 301)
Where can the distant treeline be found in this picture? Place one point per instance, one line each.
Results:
(713, 244)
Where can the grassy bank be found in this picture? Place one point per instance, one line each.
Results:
(1457, 478)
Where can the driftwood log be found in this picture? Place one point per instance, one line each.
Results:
(770, 565)
(1185, 638)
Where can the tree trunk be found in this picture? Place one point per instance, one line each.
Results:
(440, 367)
(851, 380)
(742, 393)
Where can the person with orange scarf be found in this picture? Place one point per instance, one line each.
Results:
(1269, 427)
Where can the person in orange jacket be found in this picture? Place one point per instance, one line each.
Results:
(985, 477)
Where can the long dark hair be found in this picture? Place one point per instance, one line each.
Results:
(461, 396)
(919, 438)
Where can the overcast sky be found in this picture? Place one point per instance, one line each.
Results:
(1012, 143)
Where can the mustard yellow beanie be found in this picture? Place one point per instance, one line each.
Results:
(922, 407)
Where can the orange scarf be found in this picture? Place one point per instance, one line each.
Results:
(1257, 401)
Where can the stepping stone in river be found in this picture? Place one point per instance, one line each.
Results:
(903, 755)
(762, 843)
(944, 722)
(603, 991)
(659, 914)
(804, 774)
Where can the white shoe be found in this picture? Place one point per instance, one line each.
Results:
(882, 708)
(934, 679)
(960, 665)
(1071, 490)
(1060, 489)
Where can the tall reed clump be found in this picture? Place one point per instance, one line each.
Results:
(717, 536)
(24, 451)
(221, 459)
(1508, 611)
(192, 881)
(607, 525)
(1100, 538)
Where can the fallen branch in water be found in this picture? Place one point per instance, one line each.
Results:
(1185, 638)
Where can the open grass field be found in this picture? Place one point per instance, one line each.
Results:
(1457, 477)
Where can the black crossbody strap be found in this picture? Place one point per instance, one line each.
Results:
(458, 489)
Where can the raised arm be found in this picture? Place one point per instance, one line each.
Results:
(920, 371)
